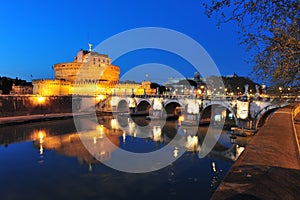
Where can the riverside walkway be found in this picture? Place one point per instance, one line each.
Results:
(269, 168)
(34, 118)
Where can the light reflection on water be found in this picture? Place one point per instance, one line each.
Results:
(48, 160)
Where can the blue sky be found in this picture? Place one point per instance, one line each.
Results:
(37, 34)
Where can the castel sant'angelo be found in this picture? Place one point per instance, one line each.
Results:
(91, 73)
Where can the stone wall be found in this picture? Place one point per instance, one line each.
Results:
(13, 105)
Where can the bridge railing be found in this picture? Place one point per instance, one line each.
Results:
(262, 98)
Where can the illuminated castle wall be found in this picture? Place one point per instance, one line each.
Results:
(88, 67)
(91, 73)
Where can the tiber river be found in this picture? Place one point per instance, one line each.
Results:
(47, 160)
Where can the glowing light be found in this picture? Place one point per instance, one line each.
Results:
(114, 124)
(193, 107)
(213, 164)
(242, 109)
(217, 118)
(175, 152)
(124, 137)
(100, 129)
(38, 100)
(192, 143)
(180, 119)
(223, 114)
(41, 135)
(132, 103)
(157, 104)
(41, 100)
(100, 97)
(239, 150)
(156, 133)
(114, 101)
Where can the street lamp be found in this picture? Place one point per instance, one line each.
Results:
(280, 91)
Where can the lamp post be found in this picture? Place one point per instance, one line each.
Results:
(280, 91)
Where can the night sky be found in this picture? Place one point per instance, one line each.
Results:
(37, 34)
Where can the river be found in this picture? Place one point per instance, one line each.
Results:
(48, 160)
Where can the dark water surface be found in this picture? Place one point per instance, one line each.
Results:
(47, 160)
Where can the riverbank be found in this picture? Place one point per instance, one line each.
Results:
(269, 168)
(7, 121)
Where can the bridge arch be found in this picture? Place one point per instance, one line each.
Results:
(170, 107)
(263, 114)
(122, 121)
(123, 106)
(228, 106)
(143, 106)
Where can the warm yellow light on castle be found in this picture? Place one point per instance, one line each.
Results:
(38, 100)
(41, 100)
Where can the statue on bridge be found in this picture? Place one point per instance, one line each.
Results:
(257, 91)
(246, 90)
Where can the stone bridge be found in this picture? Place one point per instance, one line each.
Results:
(244, 112)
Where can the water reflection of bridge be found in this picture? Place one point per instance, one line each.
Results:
(61, 136)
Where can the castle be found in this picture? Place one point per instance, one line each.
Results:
(91, 73)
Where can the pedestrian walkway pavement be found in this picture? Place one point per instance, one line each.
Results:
(33, 118)
(269, 168)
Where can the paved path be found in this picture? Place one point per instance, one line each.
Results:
(33, 118)
(269, 168)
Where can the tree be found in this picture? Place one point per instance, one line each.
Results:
(270, 31)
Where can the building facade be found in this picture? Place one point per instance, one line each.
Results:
(90, 73)
(21, 89)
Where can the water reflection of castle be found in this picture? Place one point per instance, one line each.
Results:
(91, 73)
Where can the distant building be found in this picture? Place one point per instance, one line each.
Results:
(22, 89)
(15, 86)
(184, 85)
